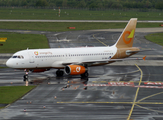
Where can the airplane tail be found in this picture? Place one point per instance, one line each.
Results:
(127, 37)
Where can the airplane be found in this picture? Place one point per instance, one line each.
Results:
(75, 61)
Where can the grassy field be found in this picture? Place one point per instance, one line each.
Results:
(2, 67)
(156, 38)
(9, 94)
(80, 14)
(16, 42)
(58, 27)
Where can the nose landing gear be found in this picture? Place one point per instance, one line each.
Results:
(26, 75)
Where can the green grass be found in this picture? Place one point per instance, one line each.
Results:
(156, 38)
(2, 67)
(74, 14)
(9, 94)
(58, 27)
(16, 42)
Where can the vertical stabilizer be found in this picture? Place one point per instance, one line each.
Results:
(127, 36)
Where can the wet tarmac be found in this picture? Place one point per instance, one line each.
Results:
(124, 90)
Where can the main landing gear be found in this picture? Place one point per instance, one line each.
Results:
(59, 73)
(85, 75)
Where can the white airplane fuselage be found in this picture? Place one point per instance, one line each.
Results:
(76, 60)
(54, 58)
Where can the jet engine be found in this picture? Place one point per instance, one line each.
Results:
(75, 69)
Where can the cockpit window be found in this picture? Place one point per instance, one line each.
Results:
(14, 56)
(18, 56)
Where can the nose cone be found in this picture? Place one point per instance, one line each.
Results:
(9, 63)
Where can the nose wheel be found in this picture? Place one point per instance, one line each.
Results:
(25, 76)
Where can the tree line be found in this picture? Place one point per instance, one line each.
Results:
(92, 4)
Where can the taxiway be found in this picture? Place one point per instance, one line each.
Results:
(120, 91)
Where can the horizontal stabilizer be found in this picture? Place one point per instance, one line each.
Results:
(138, 51)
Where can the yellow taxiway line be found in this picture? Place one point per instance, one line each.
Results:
(100, 41)
(136, 93)
(150, 96)
(149, 109)
(134, 103)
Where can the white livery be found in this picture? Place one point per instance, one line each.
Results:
(75, 61)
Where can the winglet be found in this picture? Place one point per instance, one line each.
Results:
(144, 58)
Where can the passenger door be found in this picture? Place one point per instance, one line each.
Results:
(31, 57)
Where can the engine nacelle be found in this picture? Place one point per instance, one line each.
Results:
(74, 69)
(39, 70)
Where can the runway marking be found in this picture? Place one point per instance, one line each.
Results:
(136, 93)
(133, 103)
(150, 96)
(150, 103)
(130, 84)
(153, 83)
(144, 86)
(149, 109)
(157, 83)
(99, 41)
(98, 102)
(121, 73)
(113, 84)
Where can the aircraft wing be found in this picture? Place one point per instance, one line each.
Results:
(114, 60)
(102, 61)
(70, 63)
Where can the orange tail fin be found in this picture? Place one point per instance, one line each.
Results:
(127, 36)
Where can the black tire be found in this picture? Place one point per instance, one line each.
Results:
(85, 75)
(25, 77)
(59, 73)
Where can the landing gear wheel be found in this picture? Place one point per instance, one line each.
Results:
(59, 73)
(85, 75)
(25, 77)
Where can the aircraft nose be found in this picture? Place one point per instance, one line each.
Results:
(9, 63)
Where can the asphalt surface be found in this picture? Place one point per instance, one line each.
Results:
(116, 92)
